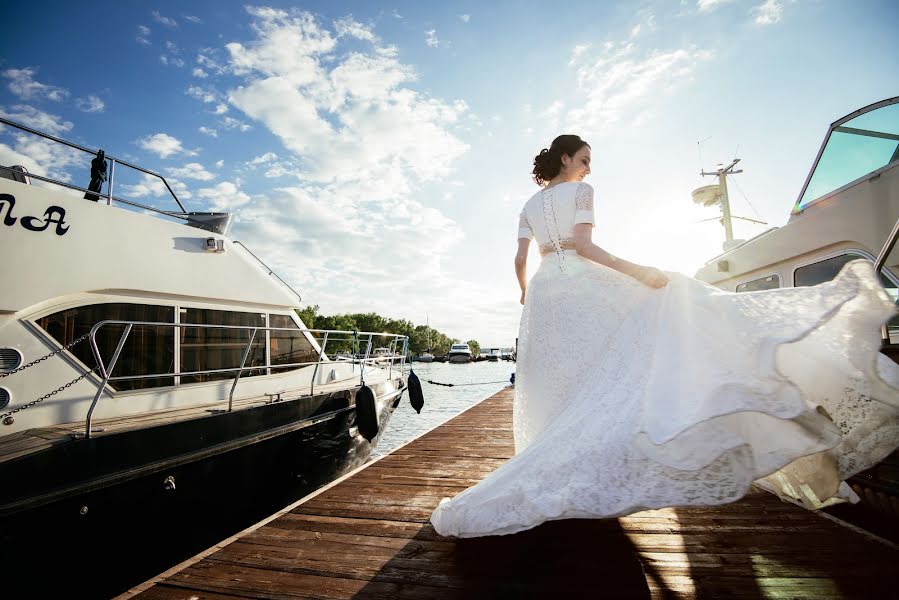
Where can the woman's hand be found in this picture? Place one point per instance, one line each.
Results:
(652, 277)
(522, 298)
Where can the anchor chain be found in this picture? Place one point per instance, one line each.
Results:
(54, 353)
(7, 418)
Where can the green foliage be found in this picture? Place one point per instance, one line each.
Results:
(475, 347)
(421, 337)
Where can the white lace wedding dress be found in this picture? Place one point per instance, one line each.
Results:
(629, 398)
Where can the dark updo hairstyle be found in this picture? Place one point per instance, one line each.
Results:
(548, 163)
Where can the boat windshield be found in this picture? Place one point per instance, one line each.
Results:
(853, 149)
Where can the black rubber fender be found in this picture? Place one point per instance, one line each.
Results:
(416, 396)
(367, 413)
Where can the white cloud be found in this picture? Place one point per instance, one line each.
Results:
(265, 158)
(38, 119)
(225, 197)
(768, 13)
(206, 58)
(219, 164)
(191, 171)
(23, 85)
(198, 72)
(205, 95)
(577, 52)
(709, 5)
(465, 18)
(221, 108)
(171, 46)
(143, 34)
(38, 155)
(356, 121)
(279, 170)
(208, 131)
(431, 38)
(167, 21)
(171, 60)
(193, 19)
(152, 186)
(161, 144)
(91, 104)
(352, 28)
(361, 146)
(625, 81)
(232, 123)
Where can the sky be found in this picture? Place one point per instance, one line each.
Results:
(377, 155)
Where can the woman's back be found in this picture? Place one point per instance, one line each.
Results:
(550, 215)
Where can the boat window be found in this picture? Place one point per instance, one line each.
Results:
(289, 347)
(763, 283)
(827, 269)
(148, 349)
(854, 149)
(211, 348)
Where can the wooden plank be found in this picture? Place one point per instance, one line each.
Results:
(369, 536)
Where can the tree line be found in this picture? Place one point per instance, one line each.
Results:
(422, 338)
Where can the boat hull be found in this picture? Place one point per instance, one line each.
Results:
(459, 358)
(122, 508)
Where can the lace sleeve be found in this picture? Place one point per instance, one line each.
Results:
(524, 228)
(583, 204)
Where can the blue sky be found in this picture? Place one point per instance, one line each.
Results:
(377, 155)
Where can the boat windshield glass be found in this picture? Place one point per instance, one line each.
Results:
(854, 149)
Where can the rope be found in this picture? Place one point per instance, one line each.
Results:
(461, 384)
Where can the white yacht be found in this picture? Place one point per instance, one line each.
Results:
(155, 379)
(459, 353)
(848, 209)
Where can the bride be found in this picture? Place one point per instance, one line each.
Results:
(638, 389)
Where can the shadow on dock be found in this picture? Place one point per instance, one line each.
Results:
(558, 559)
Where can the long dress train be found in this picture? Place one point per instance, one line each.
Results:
(630, 398)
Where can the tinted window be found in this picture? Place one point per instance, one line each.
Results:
(855, 148)
(764, 283)
(148, 349)
(211, 348)
(829, 268)
(289, 347)
(822, 271)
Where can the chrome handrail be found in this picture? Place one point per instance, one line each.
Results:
(109, 197)
(366, 359)
(112, 159)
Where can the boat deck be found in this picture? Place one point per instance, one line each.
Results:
(21, 443)
(368, 536)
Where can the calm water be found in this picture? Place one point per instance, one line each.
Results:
(443, 403)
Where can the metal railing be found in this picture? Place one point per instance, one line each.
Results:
(270, 271)
(360, 343)
(111, 178)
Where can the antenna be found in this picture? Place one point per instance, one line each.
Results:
(717, 194)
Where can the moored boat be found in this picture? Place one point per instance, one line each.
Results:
(157, 384)
(459, 353)
(848, 209)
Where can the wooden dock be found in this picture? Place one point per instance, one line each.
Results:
(368, 536)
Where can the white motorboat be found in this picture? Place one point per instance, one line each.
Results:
(459, 353)
(155, 380)
(848, 209)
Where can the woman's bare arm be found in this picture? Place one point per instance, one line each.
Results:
(521, 264)
(583, 243)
